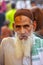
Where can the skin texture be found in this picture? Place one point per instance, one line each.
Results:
(5, 32)
(23, 26)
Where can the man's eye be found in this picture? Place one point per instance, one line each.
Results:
(26, 26)
(18, 26)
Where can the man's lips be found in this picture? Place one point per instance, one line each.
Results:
(23, 37)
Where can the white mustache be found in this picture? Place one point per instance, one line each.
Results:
(24, 35)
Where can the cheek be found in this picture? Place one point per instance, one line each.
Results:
(28, 30)
(17, 30)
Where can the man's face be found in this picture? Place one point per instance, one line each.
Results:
(33, 4)
(23, 26)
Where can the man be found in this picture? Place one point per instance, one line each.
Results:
(25, 4)
(10, 15)
(17, 50)
(4, 6)
(40, 32)
(5, 31)
(33, 4)
(38, 18)
(2, 18)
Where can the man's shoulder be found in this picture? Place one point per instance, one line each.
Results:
(8, 40)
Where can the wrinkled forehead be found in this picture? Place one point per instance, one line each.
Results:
(22, 18)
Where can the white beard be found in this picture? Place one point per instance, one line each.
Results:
(23, 47)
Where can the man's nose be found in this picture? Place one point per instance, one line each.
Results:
(22, 30)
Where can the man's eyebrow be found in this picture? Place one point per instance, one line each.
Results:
(26, 25)
(18, 26)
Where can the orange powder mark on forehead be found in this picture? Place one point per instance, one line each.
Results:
(22, 18)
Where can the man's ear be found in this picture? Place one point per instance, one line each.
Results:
(34, 25)
(13, 26)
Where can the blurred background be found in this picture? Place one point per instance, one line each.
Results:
(39, 2)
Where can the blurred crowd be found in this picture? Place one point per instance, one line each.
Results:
(7, 11)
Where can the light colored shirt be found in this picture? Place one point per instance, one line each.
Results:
(22, 4)
(8, 54)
